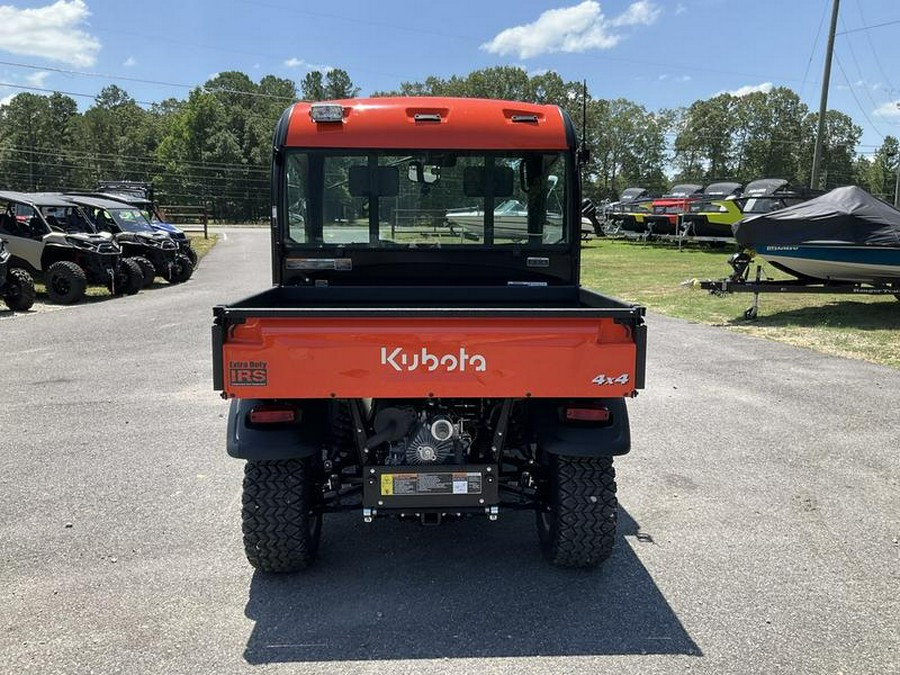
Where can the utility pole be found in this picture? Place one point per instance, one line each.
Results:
(897, 185)
(823, 103)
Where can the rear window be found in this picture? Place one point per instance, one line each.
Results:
(426, 199)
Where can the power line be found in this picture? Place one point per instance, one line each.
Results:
(853, 93)
(868, 28)
(815, 42)
(124, 78)
(58, 91)
(872, 47)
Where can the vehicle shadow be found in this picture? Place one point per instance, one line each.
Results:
(880, 315)
(465, 589)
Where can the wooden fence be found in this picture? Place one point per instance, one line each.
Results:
(188, 218)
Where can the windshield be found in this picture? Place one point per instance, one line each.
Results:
(426, 199)
(131, 220)
(115, 220)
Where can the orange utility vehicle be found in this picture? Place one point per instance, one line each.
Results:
(400, 367)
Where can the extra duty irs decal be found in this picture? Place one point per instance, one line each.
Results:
(248, 373)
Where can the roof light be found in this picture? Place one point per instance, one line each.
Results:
(326, 112)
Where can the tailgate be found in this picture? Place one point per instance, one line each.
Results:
(408, 354)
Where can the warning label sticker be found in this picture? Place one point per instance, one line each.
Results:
(430, 483)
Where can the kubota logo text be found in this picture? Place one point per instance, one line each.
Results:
(401, 360)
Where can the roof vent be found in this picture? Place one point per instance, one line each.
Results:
(524, 119)
(427, 117)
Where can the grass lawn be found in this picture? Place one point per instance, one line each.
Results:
(651, 274)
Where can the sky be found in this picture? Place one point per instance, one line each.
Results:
(657, 53)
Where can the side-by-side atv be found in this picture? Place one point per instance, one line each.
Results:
(140, 194)
(51, 238)
(155, 252)
(399, 369)
(16, 285)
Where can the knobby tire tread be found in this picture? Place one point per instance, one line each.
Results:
(277, 500)
(585, 507)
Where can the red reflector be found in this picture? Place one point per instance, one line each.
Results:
(271, 415)
(587, 414)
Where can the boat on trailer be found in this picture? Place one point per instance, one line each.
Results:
(844, 235)
(845, 241)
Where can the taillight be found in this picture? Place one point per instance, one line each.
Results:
(273, 414)
(587, 414)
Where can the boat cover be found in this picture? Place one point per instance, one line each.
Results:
(722, 189)
(765, 186)
(684, 190)
(846, 214)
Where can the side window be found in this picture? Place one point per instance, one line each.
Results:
(297, 208)
(8, 223)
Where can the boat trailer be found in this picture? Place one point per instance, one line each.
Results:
(739, 282)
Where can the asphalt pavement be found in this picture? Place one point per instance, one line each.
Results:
(759, 531)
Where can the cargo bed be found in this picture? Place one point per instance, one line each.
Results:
(364, 341)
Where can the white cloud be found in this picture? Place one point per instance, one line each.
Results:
(681, 8)
(889, 110)
(570, 29)
(300, 63)
(50, 32)
(130, 62)
(679, 78)
(765, 88)
(37, 79)
(641, 13)
(6, 100)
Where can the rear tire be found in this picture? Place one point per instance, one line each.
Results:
(19, 290)
(281, 521)
(577, 522)
(66, 282)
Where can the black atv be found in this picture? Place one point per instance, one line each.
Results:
(16, 285)
(140, 194)
(155, 252)
(50, 237)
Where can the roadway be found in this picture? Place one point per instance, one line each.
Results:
(758, 533)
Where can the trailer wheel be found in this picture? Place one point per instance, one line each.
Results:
(577, 520)
(66, 282)
(19, 290)
(147, 270)
(281, 521)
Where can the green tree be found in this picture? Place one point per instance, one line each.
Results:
(114, 139)
(35, 138)
(879, 176)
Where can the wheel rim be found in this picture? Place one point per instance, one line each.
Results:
(61, 286)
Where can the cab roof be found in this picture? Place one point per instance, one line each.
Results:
(430, 123)
(96, 202)
(34, 198)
